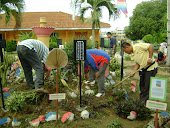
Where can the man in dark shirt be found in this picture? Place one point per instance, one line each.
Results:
(112, 45)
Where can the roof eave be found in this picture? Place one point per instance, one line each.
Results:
(10, 29)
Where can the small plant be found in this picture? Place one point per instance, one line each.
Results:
(53, 45)
(8, 61)
(127, 57)
(114, 64)
(124, 108)
(53, 42)
(115, 124)
(119, 93)
(118, 73)
(24, 36)
(11, 46)
(18, 101)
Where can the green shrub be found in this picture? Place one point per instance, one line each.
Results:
(124, 108)
(53, 39)
(148, 38)
(24, 36)
(11, 46)
(115, 124)
(114, 64)
(53, 45)
(127, 57)
(20, 101)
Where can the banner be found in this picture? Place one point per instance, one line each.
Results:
(121, 5)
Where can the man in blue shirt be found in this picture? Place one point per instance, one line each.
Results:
(112, 45)
(96, 63)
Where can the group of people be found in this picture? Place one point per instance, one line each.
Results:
(33, 53)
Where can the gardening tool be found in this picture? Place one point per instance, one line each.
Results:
(134, 73)
(128, 76)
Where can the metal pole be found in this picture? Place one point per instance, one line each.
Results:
(2, 94)
(80, 80)
(121, 54)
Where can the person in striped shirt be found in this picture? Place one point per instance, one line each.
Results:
(32, 54)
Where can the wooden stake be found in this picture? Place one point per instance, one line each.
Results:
(57, 81)
(156, 120)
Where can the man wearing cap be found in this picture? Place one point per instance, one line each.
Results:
(142, 54)
(32, 53)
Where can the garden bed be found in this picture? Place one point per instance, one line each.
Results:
(103, 111)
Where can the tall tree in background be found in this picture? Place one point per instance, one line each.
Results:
(148, 17)
(12, 8)
(96, 12)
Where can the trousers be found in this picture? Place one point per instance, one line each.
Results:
(100, 79)
(30, 60)
(145, 84)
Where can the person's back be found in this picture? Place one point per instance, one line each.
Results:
(38, 46)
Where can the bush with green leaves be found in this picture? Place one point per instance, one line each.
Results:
(124, 108)
(127, 57)
(18, 101)
(53, 42)
(114, 64)
(24, 36)
(5, 66)
(115, 124)
(11, 45)
(53, 45)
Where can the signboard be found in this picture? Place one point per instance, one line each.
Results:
(80, 49)
(158, 88)
(3, 43)
(156, 105)
(57, 96)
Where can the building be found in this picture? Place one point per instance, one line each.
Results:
(65, 27)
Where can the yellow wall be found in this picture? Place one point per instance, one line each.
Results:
(63, 34)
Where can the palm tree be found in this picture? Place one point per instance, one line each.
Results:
(96, 12)
(12, 8)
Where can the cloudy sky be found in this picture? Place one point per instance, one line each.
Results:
(65, 6)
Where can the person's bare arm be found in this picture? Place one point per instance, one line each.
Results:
(150, 50)
(134, 70)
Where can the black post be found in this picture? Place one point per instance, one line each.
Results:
(121, 53)
(1, 53)
(80, 80)
(121, 68)
(2, 93)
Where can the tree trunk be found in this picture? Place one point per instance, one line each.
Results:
(168, 34)
(93, 34)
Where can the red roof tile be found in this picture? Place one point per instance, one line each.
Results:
(54, 19)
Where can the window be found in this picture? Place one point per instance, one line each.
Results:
(55, 34)
(1, 36)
